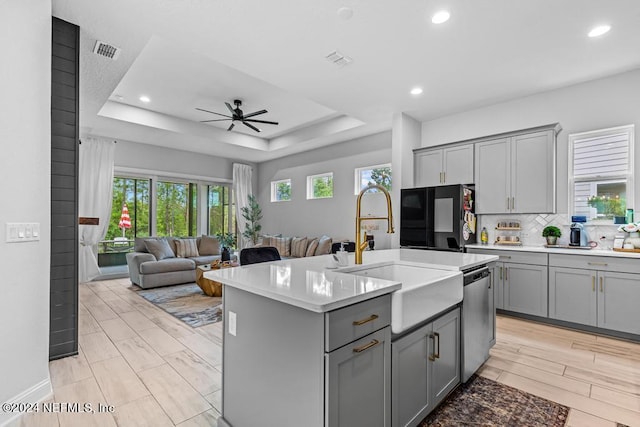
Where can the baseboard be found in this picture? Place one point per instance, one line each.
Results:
(37, 393)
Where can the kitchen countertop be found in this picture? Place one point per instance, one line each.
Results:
(566, 251)
(308, 283)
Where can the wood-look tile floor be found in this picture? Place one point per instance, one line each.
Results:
(157, 371)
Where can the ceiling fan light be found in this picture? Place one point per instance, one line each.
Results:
(599, 30)
(440, 17)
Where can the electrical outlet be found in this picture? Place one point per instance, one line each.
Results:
(232, 323)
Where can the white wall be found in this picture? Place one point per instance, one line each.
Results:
(334, 217)
(25, 128)
(598, 104)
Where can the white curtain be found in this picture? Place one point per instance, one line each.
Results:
(242, 191)
(95, 194)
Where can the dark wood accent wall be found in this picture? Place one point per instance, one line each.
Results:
(63, 327)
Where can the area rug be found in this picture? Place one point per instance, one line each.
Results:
(186, 302)
(483, 402)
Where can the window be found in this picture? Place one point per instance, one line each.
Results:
(601, 173)
(320, 186)
(281, 190)
(222, 210)
(378, 174)
(176, 209)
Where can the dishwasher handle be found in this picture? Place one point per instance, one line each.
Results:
(475, 275)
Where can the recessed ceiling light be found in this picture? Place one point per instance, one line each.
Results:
(416, 91)
(145, 99)
(599, 30)
(440, 17)
(345, 13)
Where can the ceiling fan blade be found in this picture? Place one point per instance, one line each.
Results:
(255, 114)
(251, 126)
(231, 127)
(216, 120)
(230, 108)
(212, 112)
(262, 121)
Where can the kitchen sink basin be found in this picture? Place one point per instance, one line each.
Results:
(425, 292)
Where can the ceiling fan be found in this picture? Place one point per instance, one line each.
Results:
(238, 115)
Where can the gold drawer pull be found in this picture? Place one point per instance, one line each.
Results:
(366, 346)
(604, 264)
(432, 357)
(437, 354)
(601, 279)
(505, 256)
(367, 320)
(593, 283)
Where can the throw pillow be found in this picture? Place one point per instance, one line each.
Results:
(311, 247)
(283, 245)
(298, 246)
(159, 248)
(187, 248)
(139, 246)
(268, 239)
(209, 245)
(324, 245)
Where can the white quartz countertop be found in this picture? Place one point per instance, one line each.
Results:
(568, 251)
(308, 282)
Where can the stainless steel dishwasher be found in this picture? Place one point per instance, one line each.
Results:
(476, 320)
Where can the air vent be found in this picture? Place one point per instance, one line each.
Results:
(338, 58)
(106, 50)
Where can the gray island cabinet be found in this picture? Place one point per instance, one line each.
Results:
(304, 345)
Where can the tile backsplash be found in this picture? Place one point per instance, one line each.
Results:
(532, 224)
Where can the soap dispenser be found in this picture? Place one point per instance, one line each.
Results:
(343, 256)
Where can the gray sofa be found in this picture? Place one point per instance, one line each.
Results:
(154, 268)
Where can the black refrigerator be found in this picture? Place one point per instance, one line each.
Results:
(440, 218)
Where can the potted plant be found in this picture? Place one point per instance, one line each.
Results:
(551, 232)
(252, 214)
(228, 242)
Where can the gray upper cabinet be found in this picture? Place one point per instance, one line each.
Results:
(444, 166)
(516, 173)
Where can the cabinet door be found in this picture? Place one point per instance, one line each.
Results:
(458, 165)
(618, 297)
(357, 383)
(492, 176)
(497, 274)
(427, 166)
(492, 308)
(445, 372)
(411, 401)
(525, 289)
(533, 173)
(572, 295)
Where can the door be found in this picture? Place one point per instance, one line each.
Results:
(411, 377)
(618, 297)
(533, 173)
(458, 165)
(525, 289)
(493, 176)
(428, 168)
(445, 371)
(416, 228)
(572, 295)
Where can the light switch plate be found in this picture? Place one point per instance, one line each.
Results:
(22, 232)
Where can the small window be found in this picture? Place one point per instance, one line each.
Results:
(601, 173)
(378, 174)
(320, 186)
(281, 190)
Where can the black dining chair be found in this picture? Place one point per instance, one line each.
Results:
(259, 254)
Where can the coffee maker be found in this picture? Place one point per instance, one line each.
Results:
(579, 235)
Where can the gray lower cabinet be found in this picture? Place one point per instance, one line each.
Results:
(525, 289)
(288, 366)
(425, 368)
(357, 382)
(520, 281)
(596, 298)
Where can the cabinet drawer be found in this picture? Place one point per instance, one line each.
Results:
(355, 321)
(518, 257)
(602, 263)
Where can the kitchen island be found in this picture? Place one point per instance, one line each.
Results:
(308, 345)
